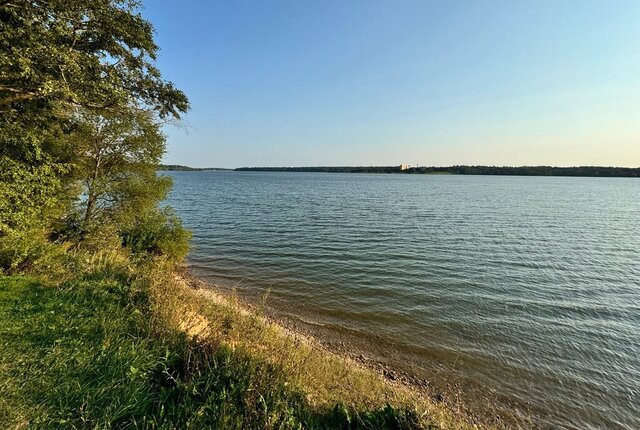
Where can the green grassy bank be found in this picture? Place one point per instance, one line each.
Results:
(102, 352)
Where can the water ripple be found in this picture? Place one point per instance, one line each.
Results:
(530, 286)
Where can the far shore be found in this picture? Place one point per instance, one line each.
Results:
(576, 171)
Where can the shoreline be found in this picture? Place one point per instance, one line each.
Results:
(482, 170)
(478, 406)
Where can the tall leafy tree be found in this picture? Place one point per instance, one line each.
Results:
(88, 53)
(67, 66)
(116, 164)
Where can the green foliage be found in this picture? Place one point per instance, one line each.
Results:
(158, 232)
(87, 356)
(81, 106)
(96, 54)
(31, 196)
(115, 163)
(30, 190)
(31, 251)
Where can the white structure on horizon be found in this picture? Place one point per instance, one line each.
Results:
(404, 166)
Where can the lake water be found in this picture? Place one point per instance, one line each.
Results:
(528, 287)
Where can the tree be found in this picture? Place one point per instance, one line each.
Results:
(96, 54)
(117, 156)
(71, 71)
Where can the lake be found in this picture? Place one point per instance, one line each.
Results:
(524, 289)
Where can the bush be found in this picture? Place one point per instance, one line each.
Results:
(31, 251)
(158, 233)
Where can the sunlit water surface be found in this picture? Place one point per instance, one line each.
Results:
(529, 286)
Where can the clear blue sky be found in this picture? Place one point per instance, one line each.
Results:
(301, 83)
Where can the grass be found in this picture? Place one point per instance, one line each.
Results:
(112, 352)
(76, 357)
(326, 379)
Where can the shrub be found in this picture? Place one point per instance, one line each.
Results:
(31, 251)
(158, 233)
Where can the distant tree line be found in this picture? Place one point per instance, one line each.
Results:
(181, 168)
(596, 171)
(177, 168)
(343, 169)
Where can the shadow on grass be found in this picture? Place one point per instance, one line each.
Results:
(87, 356)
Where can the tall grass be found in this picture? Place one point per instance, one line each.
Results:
(112, 349)
(330, 384)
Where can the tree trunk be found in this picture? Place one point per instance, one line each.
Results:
(91, 193)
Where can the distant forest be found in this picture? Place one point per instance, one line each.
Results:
(597, 171)
(344, 169)
(180, 168)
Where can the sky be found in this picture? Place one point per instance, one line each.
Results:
(335, 83)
